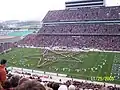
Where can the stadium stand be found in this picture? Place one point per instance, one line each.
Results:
(86, 13)
(99, 36)
(103, 36)
(4, 47)
(15, 82)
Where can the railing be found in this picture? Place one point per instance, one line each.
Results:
(79, 34)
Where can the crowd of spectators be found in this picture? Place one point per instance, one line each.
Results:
(81, 28)
(101, 36)
(86, 13)
(28, 40)
(16, 82)
(5, 46)
(97, 42)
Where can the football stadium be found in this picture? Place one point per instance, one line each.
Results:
(79, 45)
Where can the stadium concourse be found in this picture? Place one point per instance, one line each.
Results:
(83, 28)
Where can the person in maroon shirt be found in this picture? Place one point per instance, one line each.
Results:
(3, 71)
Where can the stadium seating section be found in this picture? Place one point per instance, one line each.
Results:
(16, 81)
(86, 13)
(6, 46)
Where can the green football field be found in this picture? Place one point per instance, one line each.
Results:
(85, 65)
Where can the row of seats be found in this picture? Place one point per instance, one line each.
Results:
(81, 28)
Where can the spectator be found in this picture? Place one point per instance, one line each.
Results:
(3, 71)
(14, 80)
(63, 87)
(55, 86)
(47, 88)
(22, 80)
(71, 87)
(31, 85)
(7, 85)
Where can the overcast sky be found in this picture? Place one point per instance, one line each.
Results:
(33, 9)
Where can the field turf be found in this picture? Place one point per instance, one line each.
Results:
(85, 65)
